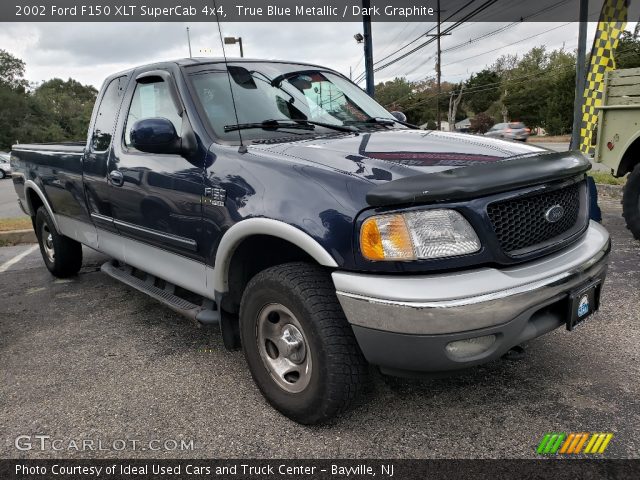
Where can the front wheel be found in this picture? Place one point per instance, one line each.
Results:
(631, 202)
(62, 255)
(2, 174)
(298, 344)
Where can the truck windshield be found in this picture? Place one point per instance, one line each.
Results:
(283, 100)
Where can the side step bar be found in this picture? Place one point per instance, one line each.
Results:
(203, 314)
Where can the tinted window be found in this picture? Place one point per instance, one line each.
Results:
(516, 125)
(151, 100)
(107, 114)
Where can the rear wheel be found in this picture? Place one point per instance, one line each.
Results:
(2, 174)
(299, 346)
(61, 255)
(631, 202)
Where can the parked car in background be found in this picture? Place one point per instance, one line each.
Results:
(509, 131)
(5, 166)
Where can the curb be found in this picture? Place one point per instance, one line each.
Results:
(611, 191)
(16, 237)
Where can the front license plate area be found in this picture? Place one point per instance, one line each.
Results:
(583, 302)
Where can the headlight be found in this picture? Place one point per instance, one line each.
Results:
(422, 234)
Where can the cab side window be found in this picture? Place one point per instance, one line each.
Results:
(107, 115)
(151, 100)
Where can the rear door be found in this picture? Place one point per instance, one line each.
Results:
(155, 198)
(98, 158)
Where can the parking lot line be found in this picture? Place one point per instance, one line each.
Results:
(17, 258)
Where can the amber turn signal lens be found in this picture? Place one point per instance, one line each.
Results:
(386, 237)
(370, 241)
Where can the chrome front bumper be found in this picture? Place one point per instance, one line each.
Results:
(467, 303)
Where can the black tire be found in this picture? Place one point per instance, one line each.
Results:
(338, 369)
(62, 255)
(631, 202)
(2, 174)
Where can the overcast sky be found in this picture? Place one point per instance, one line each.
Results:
(88, 52)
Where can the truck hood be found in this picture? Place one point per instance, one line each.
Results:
(384, 156)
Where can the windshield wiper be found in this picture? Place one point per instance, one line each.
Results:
(269, 125)
(406, 124)
(299, 124)
(340, 128)
(382, 121)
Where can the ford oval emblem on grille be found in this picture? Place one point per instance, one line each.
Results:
(554, 214)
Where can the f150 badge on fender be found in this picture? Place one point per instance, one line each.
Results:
(214, 196)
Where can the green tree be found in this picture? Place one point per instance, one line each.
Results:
(11, 71)
(481, 90)
(68, 105)
(627, 54)
(558, 111)
(393, 92)
(481, 123)
(54, 111)
(539, 90)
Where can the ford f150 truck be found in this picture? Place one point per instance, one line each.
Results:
(322, 234)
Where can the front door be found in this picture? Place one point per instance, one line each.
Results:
(156, 198)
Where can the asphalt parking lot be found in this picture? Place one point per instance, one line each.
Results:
(89, 358)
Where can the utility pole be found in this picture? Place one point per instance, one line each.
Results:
(189, 42)
(438, 35)
(368, 46)
(581, 74)
(438, 73)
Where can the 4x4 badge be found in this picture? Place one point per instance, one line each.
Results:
(554, 214)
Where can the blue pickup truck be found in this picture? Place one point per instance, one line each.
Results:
(320, 232)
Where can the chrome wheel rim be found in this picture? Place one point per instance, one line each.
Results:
(283, 347)
(47, 243)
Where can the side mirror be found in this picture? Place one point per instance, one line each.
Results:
(155, 135)
(401, 117)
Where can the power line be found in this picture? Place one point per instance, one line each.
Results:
(498, 48)
(431, 40)
(447, 30)
(481, 37)
(509, 44)
(425, 33)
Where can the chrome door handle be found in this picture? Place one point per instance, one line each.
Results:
(117, 178)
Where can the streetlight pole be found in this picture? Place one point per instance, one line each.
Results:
(189, 42)
(368, 46)
(233, 41)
